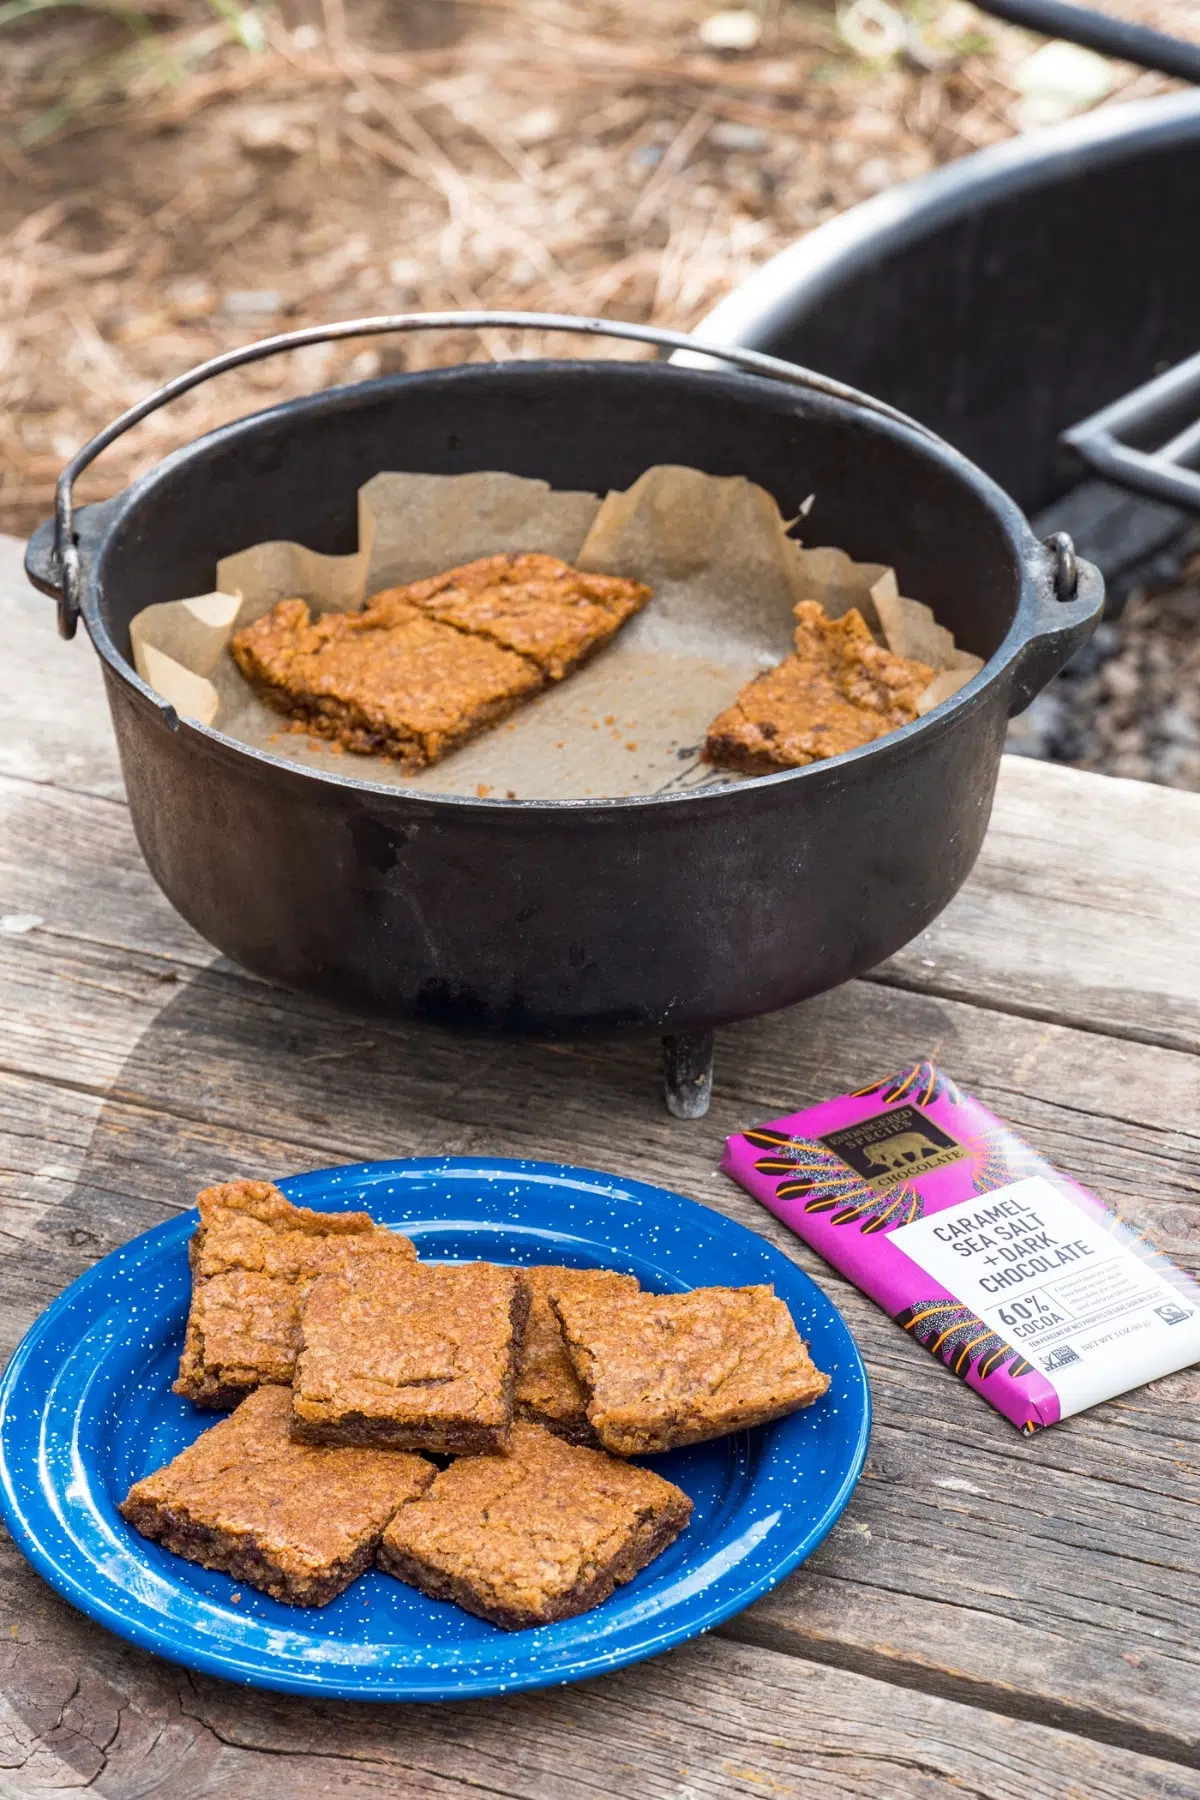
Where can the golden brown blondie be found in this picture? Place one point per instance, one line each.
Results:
(661, 1370)
(533, 604)
(540, 1534)
(547, 1391)
(838, 690)
(298, 1522)
(388, 679)
(253, 1257)
(419, 1357)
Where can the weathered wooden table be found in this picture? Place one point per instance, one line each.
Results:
(993, 1616)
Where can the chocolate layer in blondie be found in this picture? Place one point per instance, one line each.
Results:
(541, 1534)
(420, 1357)
(533, 604)
(661, 1370)
(838, 690)
(298, 1522)
(254, 1256)
(389, 679)
(547, 1390)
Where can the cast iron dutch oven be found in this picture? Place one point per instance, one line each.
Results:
(673, 912)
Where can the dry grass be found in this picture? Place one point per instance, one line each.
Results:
(179, 183)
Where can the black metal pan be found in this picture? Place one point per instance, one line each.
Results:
(670, 912)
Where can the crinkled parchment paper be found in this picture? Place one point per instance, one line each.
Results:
(715, 549)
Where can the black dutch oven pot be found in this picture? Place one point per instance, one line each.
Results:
(673, 913)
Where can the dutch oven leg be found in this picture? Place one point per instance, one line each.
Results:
(687, 1069)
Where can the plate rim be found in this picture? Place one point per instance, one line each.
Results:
(165, 1639)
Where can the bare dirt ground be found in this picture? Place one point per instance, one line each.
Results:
(178, 182)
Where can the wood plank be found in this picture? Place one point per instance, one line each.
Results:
(54, 721)
(1022, 1575)
(1081, 907)
(714, 1718)
(1051, 1579)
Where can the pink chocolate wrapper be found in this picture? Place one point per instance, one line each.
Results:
(1010, 1272)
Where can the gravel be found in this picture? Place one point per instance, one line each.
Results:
(1129, 702)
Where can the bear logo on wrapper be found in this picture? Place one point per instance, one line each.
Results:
(1005, 1268)
(889, 1147)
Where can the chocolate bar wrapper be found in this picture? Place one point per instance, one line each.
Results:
(1021, 1281)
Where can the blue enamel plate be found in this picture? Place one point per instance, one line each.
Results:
(86, 1409)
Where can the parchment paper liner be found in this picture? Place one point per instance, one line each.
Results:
(725, 574)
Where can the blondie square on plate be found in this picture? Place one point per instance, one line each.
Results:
(253, 1257)
(298, 1522)
(388, 680)
(661, 1370)
(540, 1534)
(547, 1389)
(839, 689)
(418, 1357)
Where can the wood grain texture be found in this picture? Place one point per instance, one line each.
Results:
(53, 719)
(1081, 907)
(1023, 1575)
(1053, 1582)
(81, 1711)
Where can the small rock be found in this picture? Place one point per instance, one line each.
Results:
(727, 134)
(1039, 730)
(1178, 767)
(1131, 765)
(1060, 79)
(536, 126)
(266, 134)
(740, 30)
(191, 297)
(1178, 726)
(1120, 679)
(17, 924)
(251, 303)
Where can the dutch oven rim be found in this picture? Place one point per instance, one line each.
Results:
(1034, 564)
(871, 230)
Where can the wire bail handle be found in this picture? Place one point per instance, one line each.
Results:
(66, 555)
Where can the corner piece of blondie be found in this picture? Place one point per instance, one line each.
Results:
(838, 690)
(253, 1257)
(662, 1370)
(297, 1522)
(541, 1534)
